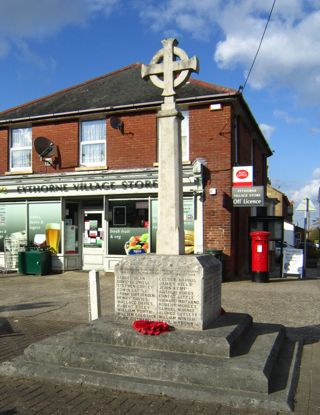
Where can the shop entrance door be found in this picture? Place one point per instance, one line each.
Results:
(93, 240)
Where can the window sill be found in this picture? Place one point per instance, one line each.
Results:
(86, 168)
(16, 172)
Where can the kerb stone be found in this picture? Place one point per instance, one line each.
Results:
(184, 291)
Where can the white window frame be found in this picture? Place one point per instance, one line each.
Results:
(91, 142)
(17, 149)
(185, 150)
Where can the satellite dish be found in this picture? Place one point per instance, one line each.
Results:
(45, 147)
(117, 124)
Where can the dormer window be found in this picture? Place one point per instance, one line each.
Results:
(20, 149)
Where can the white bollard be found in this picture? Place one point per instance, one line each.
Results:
(94, 295)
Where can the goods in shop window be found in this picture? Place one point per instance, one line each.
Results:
(188, 241)
(138, 244)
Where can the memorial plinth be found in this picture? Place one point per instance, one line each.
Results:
(184, 291)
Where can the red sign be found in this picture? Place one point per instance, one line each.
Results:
(242, 176)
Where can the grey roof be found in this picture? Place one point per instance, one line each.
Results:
(116, 89)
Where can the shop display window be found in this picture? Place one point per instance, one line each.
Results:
(44, 222)
(38, 224)
(188, 218)
(13, 223)
(128, 227)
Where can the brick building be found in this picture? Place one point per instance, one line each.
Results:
(84, 160)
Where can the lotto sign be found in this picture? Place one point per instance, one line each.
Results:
(242, 176)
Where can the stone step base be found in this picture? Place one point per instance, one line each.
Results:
(262, 369)
(278, 399)
(222, 339)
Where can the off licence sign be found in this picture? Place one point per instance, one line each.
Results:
(248, 196)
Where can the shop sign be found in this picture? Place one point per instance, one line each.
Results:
(242, 176)
(87, 186)
(248, 196)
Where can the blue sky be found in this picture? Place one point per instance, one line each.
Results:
(47, 45)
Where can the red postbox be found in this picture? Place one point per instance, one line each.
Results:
(260, 256)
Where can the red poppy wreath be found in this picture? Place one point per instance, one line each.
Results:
(151, 327)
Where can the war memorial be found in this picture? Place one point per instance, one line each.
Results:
(207, 355)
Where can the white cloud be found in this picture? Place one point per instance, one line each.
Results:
(283, 115)
(21, 20)
(290, 53)
(315, 130)
(309, 190)
(267, 130)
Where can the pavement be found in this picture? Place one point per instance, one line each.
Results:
(35, 307)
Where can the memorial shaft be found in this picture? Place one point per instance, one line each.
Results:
(173, 73)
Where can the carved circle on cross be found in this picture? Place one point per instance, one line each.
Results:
(158, 58)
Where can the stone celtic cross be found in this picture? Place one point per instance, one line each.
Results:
(170, 68)
(165, 65)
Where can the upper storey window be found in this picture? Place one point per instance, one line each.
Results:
(20, 149)
(93, 143)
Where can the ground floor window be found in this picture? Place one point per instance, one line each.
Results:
(188, 218)
(44, 219)
(128, 227)
(34, 223)
(13, 223)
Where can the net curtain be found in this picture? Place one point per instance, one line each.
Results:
(93, 136)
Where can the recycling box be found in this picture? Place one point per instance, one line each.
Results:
(260, 256)
(34, 261)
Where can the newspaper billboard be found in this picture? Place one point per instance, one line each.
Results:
(292, 261)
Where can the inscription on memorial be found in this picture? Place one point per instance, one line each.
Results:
(136, 296)
(181, 296)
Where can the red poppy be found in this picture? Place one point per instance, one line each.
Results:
(150, 327)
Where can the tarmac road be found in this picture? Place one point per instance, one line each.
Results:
(38, 306)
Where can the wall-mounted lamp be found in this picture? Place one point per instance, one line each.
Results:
(117, 124)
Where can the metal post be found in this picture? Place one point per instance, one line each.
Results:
(306, 213)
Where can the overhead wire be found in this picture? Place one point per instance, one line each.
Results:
(241, 87)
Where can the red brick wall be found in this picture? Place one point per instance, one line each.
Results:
(137, 147)
(4, 145)
(66, 136)
(260, 166)
(211, 138)
(244, 144)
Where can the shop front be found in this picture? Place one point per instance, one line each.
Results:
(90, 220)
